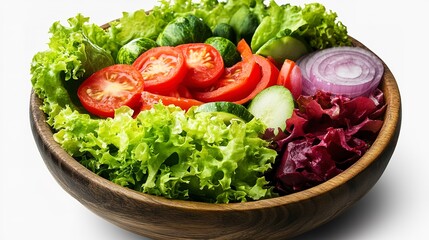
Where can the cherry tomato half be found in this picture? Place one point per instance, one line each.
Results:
(237, 82)
(205, 64)
(110, 88)
(290, 76)
(149, 99)
(269, 77)
(162, 68)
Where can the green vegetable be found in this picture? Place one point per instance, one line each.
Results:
(312, 23)
(227, 50)
(226, 31)
(244, 22)
(169, 153)
(128, 53)
(189, 29)
(273, 106)
(166, 151)
(227, 111)
(284, 48)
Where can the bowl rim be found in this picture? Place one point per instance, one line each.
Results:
(391, 122)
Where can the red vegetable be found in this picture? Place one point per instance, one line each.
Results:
(347, 71)
(110, 88)
(324, 136)
(163, 68)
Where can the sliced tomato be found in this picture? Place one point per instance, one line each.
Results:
(110, 88)
(204, 62)
(162, 68)
(290, 76)
(149, 99)
(237, 82)
(269, 77)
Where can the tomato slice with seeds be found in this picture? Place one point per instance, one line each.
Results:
(110, 88)
(162, 68)
(237, 82)
(205, 64)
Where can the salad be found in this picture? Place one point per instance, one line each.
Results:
(211, 101)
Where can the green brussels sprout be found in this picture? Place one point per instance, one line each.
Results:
(128, 53)
(227, 50)
(188, 29)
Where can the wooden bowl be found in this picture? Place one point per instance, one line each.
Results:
(276, 218)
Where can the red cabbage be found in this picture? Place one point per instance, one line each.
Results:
(325, 135)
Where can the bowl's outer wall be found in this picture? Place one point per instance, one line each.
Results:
(160, 218)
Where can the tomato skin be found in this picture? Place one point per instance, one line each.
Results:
(269, 77)
(237, 82)
(149, 99)
(290, 76)
(204, 62)
(162, 68)
(110, 88)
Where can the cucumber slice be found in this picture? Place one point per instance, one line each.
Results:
(273, 106)
(227, 111)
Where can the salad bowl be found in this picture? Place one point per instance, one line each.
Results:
(275, 218)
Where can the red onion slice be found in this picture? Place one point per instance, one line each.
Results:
(348, 71)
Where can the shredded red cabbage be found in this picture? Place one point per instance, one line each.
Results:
(325, 135)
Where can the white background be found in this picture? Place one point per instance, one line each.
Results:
(34, 206)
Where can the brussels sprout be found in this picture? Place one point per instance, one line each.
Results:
(227, 50)
(128, 53)
(244, 22)
(188, 29)
(226, 31)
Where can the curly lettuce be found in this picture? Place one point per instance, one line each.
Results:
(167, 152)
(311, 23)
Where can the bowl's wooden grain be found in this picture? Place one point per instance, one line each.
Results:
(277, 218)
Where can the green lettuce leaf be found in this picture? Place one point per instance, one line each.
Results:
(311, 23)
(170, 153)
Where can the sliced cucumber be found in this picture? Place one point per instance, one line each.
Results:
(227, 111)
(273, 106)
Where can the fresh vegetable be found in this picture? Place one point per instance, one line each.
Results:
(128, 53)
(163, 68)
(225, 30)
(204, 63)
(291, 77)
(227, 50)
(284, 48)
(237, 81)
(197, 155)
(148, 100)
(188, 29)
(269, 75)
(166, 152)
(325, 135)
(348, 71)
(244, 22)
(110, 88)
(273, 105)
(311, 23)
(227, 111)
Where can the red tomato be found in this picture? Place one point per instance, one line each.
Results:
(149, 99)
(162, 68)
(269, 77)
(291, 77)
(205, 64)
(237, 82)
(111, 88)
